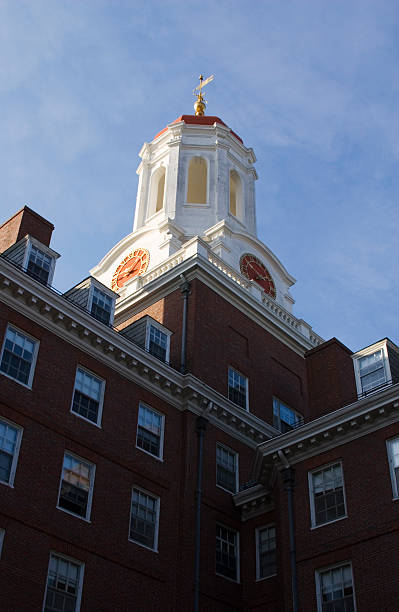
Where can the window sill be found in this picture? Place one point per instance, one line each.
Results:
(83, 518)
(150, 454)
(27, 386)
(266, 577)
(85, 419)
(154, 550)
(7, 484)
(227, 578)
(226, 490)
(341, 518)
(196, 205)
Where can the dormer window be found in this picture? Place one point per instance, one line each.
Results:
(95, 298)
(37, 259)
(102, 306)
(39, 265)
(151, 336)
(374, 366)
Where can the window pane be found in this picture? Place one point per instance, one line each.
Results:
(75, 485)
(226, 552)
(237, 388)
(149, 430)
(158, 343)
(328, 494)
(39, 265)
(267, 552)
(18, 353)
(336, 589)
(226, 470)
(62, 585)
(87, 395)
(143, 518)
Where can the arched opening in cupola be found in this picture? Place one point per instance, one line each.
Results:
(235, 207)
(197, 181)
(157, 191)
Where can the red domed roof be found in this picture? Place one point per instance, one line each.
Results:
(194, 120)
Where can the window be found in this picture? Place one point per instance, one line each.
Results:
(76, 488)
(266, 552)
(10, 441)
(284, 418)
(226, 468)
(88, 396)
(235, 207)
(197, 181)
(157, 341)
(144, 519)
(40, 265)
(157, 191)
(372, 367)
(334, 589)
(393, 458)
(238, 389)
(150, 428)
(327, 494)
(64, 585)
(2, 534)
(102, 306)
(19, 356)
(227, 557)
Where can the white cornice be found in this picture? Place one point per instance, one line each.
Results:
(61, 317)
(329, 431)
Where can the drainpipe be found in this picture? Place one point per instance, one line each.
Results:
(200, 430)
(288, 474)
(185, 289)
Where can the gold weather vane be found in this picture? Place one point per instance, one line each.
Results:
(200, 103)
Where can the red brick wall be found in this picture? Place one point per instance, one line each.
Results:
(25, 221)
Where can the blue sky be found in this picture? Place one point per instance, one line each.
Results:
(311, 85)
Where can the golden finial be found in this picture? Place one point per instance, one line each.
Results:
(200, 103)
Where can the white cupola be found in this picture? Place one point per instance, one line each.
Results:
(195, 173)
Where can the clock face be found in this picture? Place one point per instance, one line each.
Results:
(134, 264)
(255, 270)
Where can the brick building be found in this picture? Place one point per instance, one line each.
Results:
(171, 435)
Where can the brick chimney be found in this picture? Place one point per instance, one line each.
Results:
(25, 221)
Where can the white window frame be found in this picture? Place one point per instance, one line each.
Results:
(385, 362)
(80, 583)
(236, 457)
(91, 487)
(390, 443)
(257, 542)
(101, 401)
(237, 548)
(246, 388)
(2, 535)
(108, 293)
(311, 494)
(323, 570)
(277, 402)
(33, 242)
(156, 531)
(152, 323)
(36, 343)
(161, 437)
(14, 462)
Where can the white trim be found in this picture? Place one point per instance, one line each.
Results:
(2, 534)
(237, 479)
(158, 505)
(34, 357)
(91, 486)
(207, 161)
(14, 462)
(101, 401)
(80, 583)
(152, 323)
(33, 242)
(322, 468)
(322, 570)
(389, 444)
(257, 551)
(369, 350)
(102, 289)
(237, 549)
(161, 437)
(246, 388)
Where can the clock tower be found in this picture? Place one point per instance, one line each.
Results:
(196, 193)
